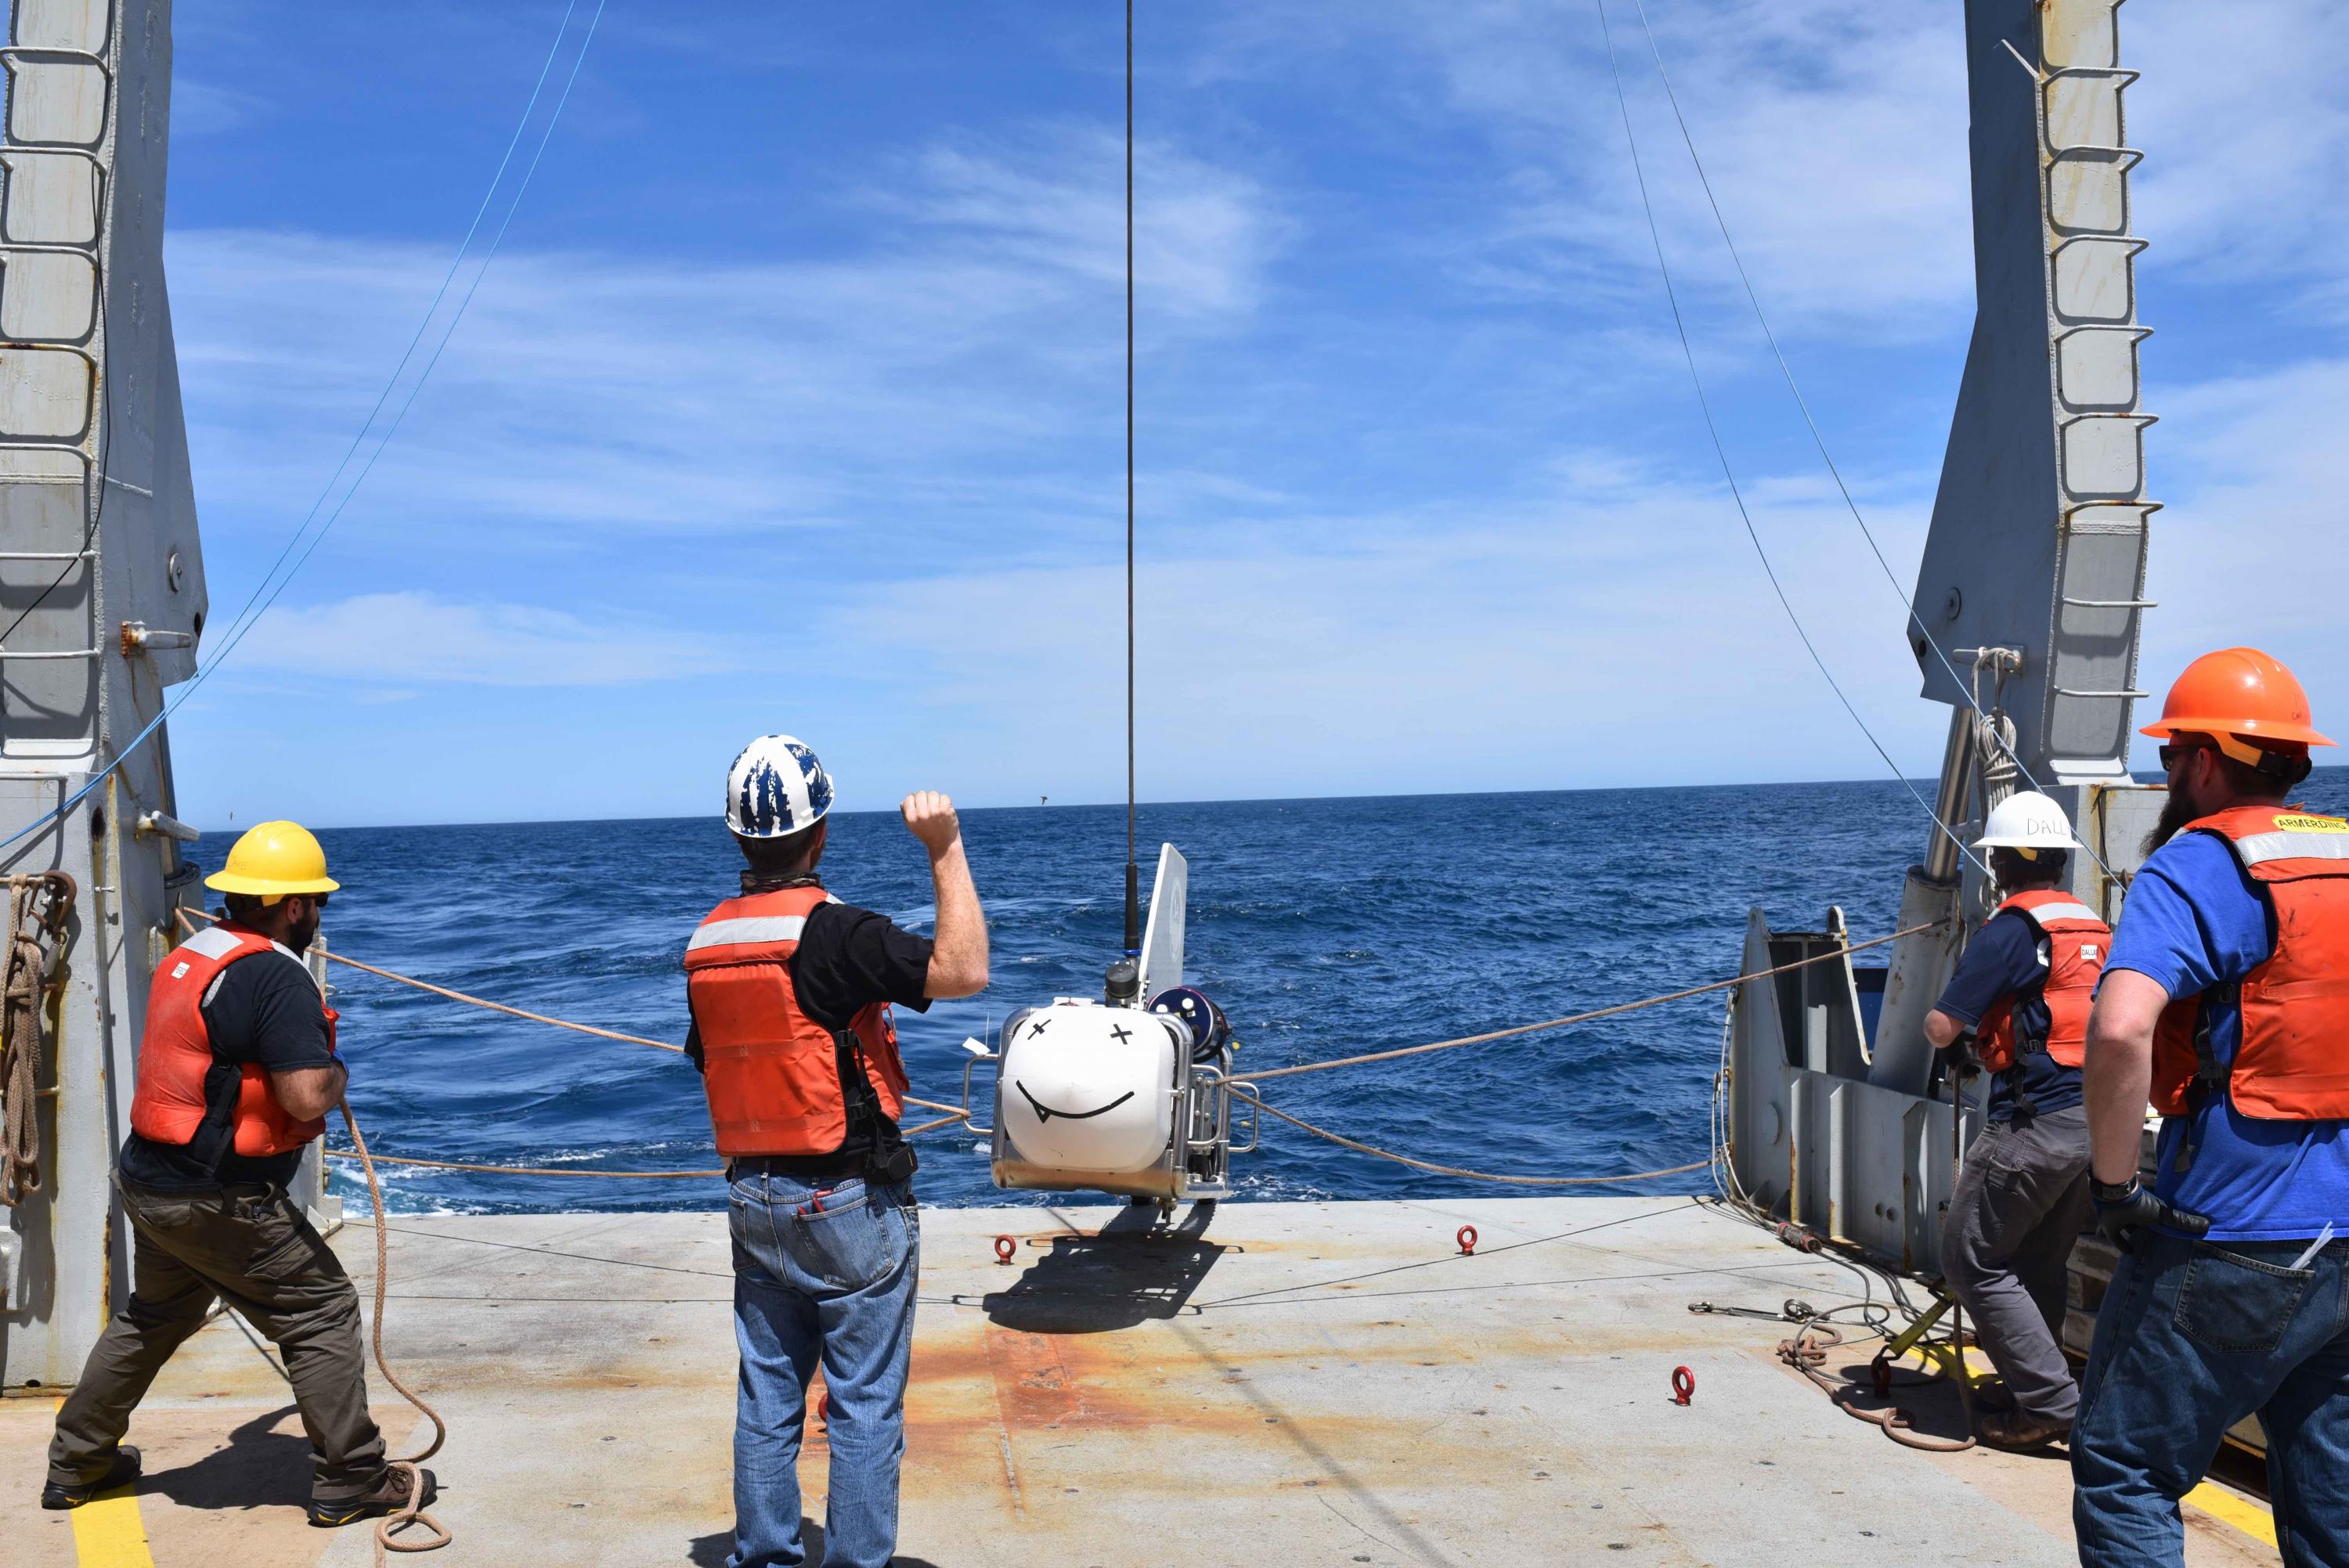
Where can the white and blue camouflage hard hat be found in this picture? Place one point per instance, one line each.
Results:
(776, 788)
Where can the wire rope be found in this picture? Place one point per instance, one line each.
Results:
(1818, 438)
(1133, 865)
(1721, 450)
(268, 592)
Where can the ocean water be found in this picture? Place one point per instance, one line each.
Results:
(1325, 928)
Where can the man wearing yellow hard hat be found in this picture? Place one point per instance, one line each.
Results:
(236, 1073)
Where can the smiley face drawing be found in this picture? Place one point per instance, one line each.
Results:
(1088, 1087)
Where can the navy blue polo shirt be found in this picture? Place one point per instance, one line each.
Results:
(2007, 958)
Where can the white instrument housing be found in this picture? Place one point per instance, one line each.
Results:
(1097, 1099)
(1085, 1088)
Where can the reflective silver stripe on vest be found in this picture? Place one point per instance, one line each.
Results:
(747, 928)
(2286, 845)
(213, 941)
(2046, 912)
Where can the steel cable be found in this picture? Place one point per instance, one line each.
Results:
(1819, 438)
(1721, 450)
(265, 593)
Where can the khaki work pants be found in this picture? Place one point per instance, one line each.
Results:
(250, 1246)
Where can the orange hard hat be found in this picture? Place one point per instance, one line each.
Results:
(2237, 691)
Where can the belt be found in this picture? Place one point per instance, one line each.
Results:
(801, 1166)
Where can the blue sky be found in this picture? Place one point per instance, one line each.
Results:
(793, 400)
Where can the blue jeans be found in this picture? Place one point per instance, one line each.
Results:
(2193, 1337)
(821, 1273)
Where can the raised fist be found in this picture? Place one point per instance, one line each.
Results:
(931, 817)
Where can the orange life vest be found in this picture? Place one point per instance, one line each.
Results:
(2077, 944)
(2292, 1059)
(175, 1052)
(773, 1075)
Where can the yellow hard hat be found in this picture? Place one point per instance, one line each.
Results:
(273, 859)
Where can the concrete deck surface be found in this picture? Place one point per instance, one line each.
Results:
(1310, 1384)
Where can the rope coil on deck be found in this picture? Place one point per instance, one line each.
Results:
(1807, 1353)
(387, 1529)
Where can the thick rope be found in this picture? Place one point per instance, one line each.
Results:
(333, 957)
(1455, 1170)
(1807, 1353)
(188, 917)
(525, 1169)
(561, 1170)
(1829, 956)
(954, 1113)
(21, 995)
(387, 1529)
(20, 1053)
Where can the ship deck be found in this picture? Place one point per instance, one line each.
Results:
(1309, 1383)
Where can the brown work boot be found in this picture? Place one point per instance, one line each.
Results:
(388, 1495)
(2020, 1431)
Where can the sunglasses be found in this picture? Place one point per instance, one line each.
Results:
(2171, 755)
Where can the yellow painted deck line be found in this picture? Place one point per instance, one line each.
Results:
(108, 1531)
(2239, 1511)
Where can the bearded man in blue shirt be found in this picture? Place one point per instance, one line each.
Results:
(2226, 1003)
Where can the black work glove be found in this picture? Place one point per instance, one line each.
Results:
(2122, 1212)
(1964, 1059)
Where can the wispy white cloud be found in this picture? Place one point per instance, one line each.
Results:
(2246, 129)
(399, 640)
(631, 391)
(2245, 551)
(200, 107)
(1616, 629)
(1425, 501)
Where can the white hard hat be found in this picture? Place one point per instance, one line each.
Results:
(775, 789)
(2026, 820)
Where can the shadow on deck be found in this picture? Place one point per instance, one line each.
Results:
(1129, 1272)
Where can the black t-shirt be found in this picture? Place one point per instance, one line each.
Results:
(264, 1009)
(2007, 958)
(848, 958)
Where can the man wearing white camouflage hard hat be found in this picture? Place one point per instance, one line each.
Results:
(791, 992)
(2020, 995)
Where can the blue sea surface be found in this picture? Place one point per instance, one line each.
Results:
(1325, 928)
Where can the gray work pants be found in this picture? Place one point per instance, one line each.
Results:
(250, 1246)
(2021, 1203)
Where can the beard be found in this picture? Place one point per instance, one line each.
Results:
(2175, 812)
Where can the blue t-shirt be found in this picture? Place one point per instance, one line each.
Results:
(2006, 957)
(2193, 921)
